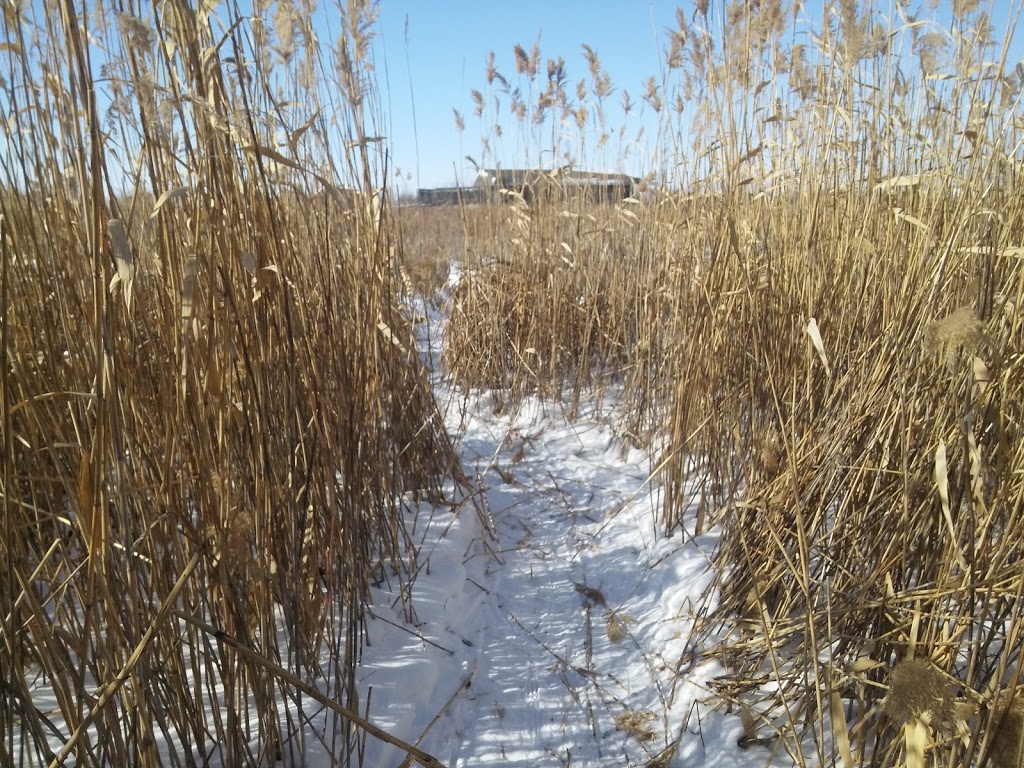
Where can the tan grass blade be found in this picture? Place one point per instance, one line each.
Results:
(166, 197)
(915, 736)
(840, 729)
(819, 346)
(123, 260)
(942, 485)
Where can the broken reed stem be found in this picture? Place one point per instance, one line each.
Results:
(111, 688)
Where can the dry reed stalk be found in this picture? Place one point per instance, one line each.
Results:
(210, 389)
(886, 509)
(790, 315)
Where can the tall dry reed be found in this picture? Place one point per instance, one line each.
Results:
(813, 313)
(213, 407)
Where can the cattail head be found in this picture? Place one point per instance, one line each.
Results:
(1007, 738)
(919, 691)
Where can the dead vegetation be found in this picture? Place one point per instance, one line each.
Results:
(819, 313)
(212, 404)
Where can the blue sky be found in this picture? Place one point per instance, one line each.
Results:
(431, 53)
(448, 46)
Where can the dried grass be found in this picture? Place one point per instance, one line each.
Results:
(211, 394)
(636, 724)
(213, 409)
(819, 314)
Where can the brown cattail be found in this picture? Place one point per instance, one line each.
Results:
(919, 691)
(1007, 738)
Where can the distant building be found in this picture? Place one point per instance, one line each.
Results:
(561, 183)
(450, 196)
(498, 185)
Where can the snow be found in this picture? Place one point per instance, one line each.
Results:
(515, 621)
(551, 610)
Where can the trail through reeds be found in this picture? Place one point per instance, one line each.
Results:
(813, 310)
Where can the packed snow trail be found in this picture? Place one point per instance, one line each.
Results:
(549, 614)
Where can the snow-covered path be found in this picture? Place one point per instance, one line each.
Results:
(553, 638)
(549, 613)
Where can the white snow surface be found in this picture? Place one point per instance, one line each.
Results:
(513, 657)
(510, 644)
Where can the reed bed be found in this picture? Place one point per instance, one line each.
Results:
(812, 311)
(213, 407)
(553, 267)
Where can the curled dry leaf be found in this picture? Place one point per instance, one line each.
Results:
(123, 260)
(819, 346)
(174, 193)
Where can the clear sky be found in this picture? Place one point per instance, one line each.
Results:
(431, 53)
(448, 46)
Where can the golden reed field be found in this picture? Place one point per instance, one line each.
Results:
(213, 407)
